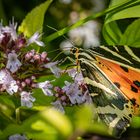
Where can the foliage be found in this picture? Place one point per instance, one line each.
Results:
(42, 121)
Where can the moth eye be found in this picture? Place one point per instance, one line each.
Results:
(74, 50)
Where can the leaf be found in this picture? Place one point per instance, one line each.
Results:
(131, 36)
(6, 106)
(82, 122)
(86, 121)
(33, 22)
(41, 98)
(47, 123)
(59, 121)
(130, 11)
(121, 4)
(127, 9)
(112, 33)
(135, 122)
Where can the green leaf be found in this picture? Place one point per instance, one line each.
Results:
(83, 123)
(127, 9)
(41, 98)
(135, 122)
(33, 22)
(7, 107)
(131, 36)
(59, 121)
(47, 123)
(112, 33)
(131, 10)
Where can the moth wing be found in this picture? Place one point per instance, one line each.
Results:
(112, 106)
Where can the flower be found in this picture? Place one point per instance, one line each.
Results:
(17, 137)
(11, 30)
(3, 75)
(13, 27)
(54, 69)
(1, 37)
(12, 87)
(87, 98)
(13, 63)
(58, 106)
(77, 76)
(46, 87)
(73, 92)
(35, 39)
(8, 83)
(27, 99)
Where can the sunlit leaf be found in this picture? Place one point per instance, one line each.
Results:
(112, 33)
(132, 35)
(130, 10)
(59, 121)
(127, 9)
(86, 121)
(83, 121)
(33, 22)
(47, 123)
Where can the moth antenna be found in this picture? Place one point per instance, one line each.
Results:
(73, 45)
(63, 50)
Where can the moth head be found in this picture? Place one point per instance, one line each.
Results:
(74, 50)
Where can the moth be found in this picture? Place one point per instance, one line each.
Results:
(112, 75)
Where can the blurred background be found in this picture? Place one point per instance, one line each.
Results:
(60, 14)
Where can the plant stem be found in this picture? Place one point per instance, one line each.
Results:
(112, 9)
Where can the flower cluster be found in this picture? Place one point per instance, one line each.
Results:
(20, 66)
(72, 93)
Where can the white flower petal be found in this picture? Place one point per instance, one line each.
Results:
(39, 43)
(72, 91)
(8, 83)
(58, 106)
(54, 69)
(3, 76)
(35, 39)
(12, 87)
(13, 63)
(27, 99)
(46, 87)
